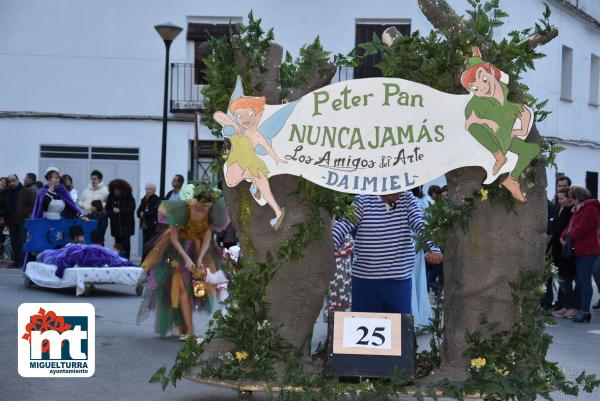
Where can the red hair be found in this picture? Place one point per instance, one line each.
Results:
(121, 185)
(255, 103)
(468, 77)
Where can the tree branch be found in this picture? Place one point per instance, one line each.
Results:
(540, 40)
(320, 79)
(442, 16)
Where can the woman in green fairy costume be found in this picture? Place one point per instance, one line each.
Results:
(491, 117)
(181, 255)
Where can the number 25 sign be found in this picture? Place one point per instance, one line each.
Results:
(367, 333)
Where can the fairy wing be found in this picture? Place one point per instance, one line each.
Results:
(238, 92)
(272, 125)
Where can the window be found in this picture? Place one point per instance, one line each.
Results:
(203, 164)
(594, 80)
(591, 183)
(566, 81)
(199, 33)
(365, 28)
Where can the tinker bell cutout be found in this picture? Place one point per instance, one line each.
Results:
(248, 140)
(497, 123)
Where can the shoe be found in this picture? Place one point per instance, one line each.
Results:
(185, 337)
(559, 313)
(256, 195)
(596, 305)
(582, 317)
(514, 188)
(570, 313)
(275, 223)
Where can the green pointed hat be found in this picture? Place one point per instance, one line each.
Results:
(476, 58)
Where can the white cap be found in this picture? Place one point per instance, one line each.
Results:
(51, 168)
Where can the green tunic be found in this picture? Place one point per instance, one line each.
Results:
(489, 108)
(504, 115)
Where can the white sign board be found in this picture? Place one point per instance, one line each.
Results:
(379, 135)
(367, 333)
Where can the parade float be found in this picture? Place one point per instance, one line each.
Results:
(314, 143)
(57, 262)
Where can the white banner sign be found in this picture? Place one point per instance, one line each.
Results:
(379, 135)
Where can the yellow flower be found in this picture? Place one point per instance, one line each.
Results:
(240, 356)
(502, 371)
(478, 363)
(484, 194)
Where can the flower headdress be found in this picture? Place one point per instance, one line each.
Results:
(203, 191)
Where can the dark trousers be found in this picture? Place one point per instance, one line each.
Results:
(124, 245)
(570, 296)
(147, 235)
(384, 296)
(17, 239)
(585, 267)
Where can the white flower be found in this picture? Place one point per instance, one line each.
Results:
(187, 192)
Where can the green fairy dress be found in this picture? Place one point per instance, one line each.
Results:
(243, 153)
(165, 266)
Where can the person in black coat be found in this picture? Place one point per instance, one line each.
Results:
(148, 215)
(120, 209)
(102, 222)
(566, 266)
(20, 202)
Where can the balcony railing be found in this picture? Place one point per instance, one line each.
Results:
(186, 96)
(343, 74)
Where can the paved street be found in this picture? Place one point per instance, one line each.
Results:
(127, 354)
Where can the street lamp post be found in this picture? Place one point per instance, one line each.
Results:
(168, 32)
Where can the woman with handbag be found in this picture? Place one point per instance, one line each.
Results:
(566, 263)
(583, 233)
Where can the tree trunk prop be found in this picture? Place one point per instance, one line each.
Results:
(480, 263)
(296, 292)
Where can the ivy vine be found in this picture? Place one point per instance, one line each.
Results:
(509, 364)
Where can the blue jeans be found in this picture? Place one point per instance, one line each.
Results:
(383, 296)
(596, 273)
(585, 267)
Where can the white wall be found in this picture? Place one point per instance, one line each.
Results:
(104, 58)
(20, 153)
(92, 57)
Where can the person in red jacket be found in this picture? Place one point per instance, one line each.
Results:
(583, 230)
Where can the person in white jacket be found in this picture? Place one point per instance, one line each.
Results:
(95, 191)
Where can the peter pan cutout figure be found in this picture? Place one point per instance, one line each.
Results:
(495, 122)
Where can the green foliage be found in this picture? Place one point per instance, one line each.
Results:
(515, 366)
(442, 217)
(428, 360)
(251, 43)
(246, 323)
(313, 60)
(437, 61)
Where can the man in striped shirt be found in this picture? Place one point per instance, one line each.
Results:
(384, 251)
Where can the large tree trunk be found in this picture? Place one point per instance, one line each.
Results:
(480, 263)
(296, 293)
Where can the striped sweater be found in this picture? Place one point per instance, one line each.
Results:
(383, 246)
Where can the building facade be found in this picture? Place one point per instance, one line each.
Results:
(82, 82)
